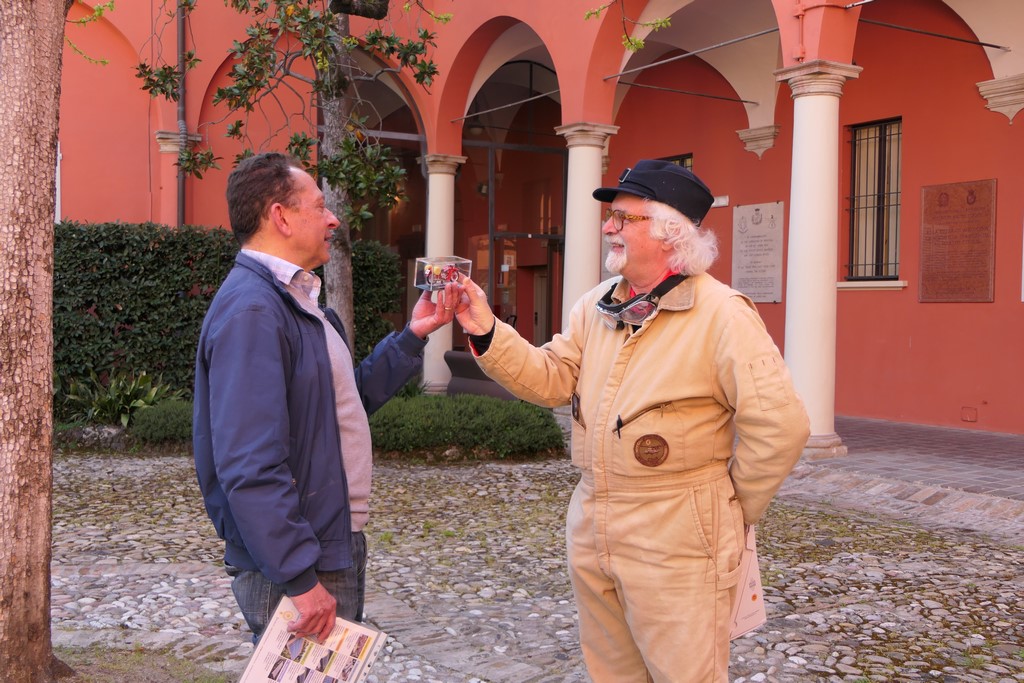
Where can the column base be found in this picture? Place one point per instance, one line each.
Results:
(823, 446)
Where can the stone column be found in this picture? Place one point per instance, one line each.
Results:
(586, 142)
(813, 245)
(440, 241)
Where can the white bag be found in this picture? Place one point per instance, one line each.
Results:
(748, 611)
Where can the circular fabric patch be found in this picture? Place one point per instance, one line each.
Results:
(650, 450)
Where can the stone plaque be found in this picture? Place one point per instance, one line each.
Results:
(958, 239)
(757, 251)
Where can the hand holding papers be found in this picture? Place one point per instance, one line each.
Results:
(345, 655)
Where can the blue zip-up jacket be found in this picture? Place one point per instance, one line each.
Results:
(265, 428)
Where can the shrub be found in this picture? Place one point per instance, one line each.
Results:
(376, 283)
(131, 297)
(412, 388)
(117, 399)
(168, 421)
(477, 426)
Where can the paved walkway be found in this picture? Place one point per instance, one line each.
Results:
(966, 460)
(903, 561)
(938, 476)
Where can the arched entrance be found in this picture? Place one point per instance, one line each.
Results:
(510, 197)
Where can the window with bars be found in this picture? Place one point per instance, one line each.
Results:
(684, 160)
(875, 200)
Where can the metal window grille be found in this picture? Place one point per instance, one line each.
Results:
(875, 201)
(684, 160)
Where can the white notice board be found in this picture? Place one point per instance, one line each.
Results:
(757, 251)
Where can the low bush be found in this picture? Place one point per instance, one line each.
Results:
(166, 422)
(412, 388)
(411, 426)
(117, 398)
(465, 428)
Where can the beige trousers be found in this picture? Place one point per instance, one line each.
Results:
(654, 563)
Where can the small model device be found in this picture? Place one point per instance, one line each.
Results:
(435, 272)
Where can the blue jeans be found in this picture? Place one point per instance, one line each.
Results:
(258, 596)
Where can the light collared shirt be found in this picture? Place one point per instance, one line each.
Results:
(289, 273)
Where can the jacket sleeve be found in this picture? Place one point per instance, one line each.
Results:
(247, 356)
(545, 375)
(771, 423)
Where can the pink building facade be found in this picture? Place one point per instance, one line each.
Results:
(865, 156)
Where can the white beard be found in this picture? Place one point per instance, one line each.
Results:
(615, 261)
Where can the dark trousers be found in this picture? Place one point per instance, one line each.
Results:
(258, 596)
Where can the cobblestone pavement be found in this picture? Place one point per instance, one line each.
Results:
(467, 576)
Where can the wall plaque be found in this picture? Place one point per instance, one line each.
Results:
(757, 251)
(958, 240)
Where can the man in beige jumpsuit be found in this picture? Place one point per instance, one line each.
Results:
(664, 368)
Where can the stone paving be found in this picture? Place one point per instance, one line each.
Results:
(467, 575)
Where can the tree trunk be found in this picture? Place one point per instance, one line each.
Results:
(336, 108)
(31, 43)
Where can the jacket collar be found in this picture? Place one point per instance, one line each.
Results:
(249, 263)
(679, 298)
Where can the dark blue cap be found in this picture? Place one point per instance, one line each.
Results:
(665, 182)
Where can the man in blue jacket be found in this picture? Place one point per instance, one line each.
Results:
(281, 437)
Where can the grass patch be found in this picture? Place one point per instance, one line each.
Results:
(106, 665)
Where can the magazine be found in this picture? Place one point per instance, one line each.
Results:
(345, 655)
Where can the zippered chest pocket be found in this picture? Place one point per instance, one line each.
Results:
(665, 437)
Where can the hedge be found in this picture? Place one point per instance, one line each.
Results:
(130, 298)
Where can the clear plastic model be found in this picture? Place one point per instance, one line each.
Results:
(435, 272)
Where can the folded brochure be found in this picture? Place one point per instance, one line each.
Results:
(345, 655)
(748, 611)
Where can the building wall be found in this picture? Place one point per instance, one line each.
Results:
(106, 152)
(937, 363)
(951, 364)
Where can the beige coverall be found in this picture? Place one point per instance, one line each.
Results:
(655, 527)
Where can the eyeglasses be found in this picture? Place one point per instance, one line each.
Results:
(619, 218)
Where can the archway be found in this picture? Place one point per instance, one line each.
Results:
(510, 194)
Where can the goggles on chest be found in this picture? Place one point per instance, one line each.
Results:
(637, 309)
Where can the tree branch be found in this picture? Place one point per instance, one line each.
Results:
(371, 9)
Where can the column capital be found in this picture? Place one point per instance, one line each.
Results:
(444, 163)
(586, 134)
(818, 77)
(1004, 95)
(757, 140)
(170, 140)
